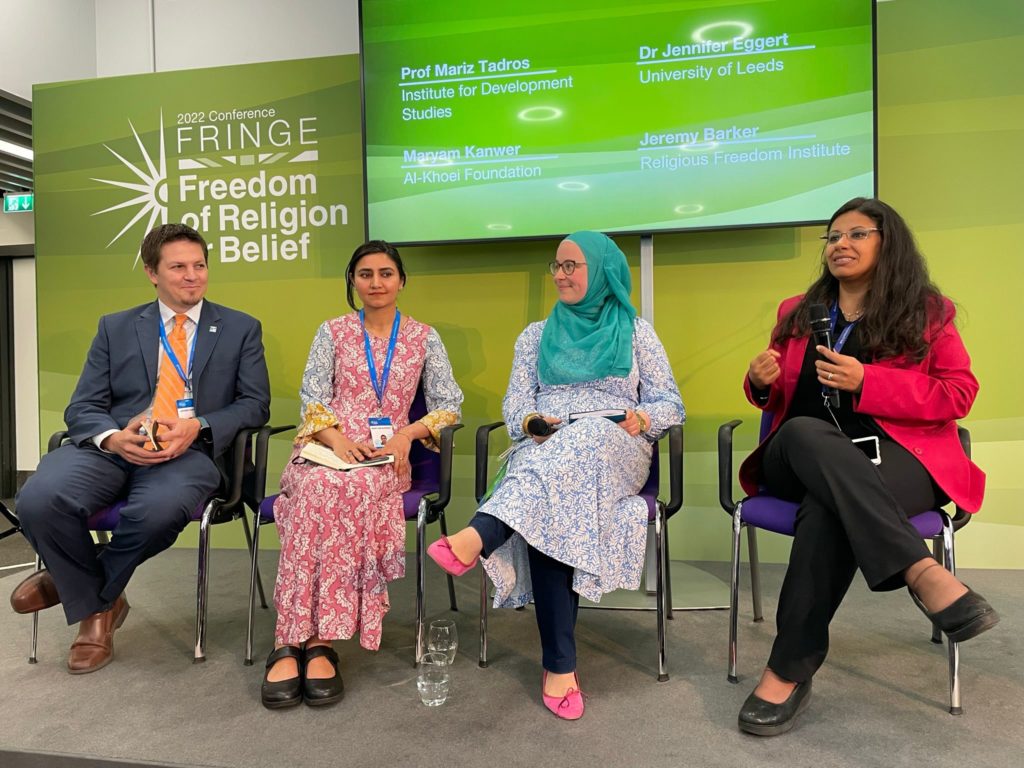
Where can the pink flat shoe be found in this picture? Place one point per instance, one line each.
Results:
(568, 707)
(441, 553)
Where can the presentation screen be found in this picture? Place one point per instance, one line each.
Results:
(492, 120)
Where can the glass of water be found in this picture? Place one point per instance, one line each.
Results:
(443, 637)
(433, 679)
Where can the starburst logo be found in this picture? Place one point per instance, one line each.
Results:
(151, 189)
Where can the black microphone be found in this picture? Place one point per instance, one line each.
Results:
(539, 428)
(821, 330)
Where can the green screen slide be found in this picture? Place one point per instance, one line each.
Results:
(503, 120)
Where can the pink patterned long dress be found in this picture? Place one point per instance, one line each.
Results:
(343, 533)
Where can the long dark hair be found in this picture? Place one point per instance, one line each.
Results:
(898, 305)
(367, 248)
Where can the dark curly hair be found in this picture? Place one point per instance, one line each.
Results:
(898, 305)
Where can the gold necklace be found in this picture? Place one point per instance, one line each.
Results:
(851, 316)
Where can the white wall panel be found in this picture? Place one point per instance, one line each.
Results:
(26, 379)
(124, 37)
(45, 41)
(204, 33)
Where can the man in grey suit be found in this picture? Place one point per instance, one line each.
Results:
(166, 472)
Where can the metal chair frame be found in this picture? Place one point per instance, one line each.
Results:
(431, 509)
(942, 549)
(662, 512)
(224, 506)
(10, 518)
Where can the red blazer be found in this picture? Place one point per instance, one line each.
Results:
(916, 403)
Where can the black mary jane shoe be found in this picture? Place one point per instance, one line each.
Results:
(762, 718)
(319, 692)
(966, 617)
(283, 693)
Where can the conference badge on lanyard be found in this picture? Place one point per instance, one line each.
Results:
(381, 428)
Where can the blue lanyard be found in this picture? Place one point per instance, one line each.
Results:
(834, 314)
(173, 358)
(380, 387)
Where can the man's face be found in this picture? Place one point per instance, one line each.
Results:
(180, 275)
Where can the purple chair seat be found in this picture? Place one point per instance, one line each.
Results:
(410, 502)
(649, 493)
(778, 516)
(107, 518)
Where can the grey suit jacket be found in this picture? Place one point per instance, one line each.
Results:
(232, 388)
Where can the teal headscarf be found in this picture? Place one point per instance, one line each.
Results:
(593, 338)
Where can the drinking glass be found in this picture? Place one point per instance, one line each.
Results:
(443, 637)
(433, 679)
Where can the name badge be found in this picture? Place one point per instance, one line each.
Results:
(380, 430)
(186, 408)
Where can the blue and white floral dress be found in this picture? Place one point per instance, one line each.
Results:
(573, 497)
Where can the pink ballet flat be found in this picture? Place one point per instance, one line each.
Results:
(568, 707)
(441, 553)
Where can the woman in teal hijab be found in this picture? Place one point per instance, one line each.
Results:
(591, 389)
(593, 337)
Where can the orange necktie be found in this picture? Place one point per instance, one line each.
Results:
(170, 388)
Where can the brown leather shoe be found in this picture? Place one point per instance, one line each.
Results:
(35, 593)
(94, 647)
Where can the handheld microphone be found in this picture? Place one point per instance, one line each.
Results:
(821, 331)
(539, 428)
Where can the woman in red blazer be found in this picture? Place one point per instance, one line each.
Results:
(863, 436)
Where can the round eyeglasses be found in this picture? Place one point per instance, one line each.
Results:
(854, 235)
(568, 266)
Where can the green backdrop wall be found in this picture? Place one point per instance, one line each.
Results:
(951, 148)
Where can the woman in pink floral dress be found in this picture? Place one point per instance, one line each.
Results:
(343, 533)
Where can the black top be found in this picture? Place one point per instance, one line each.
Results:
(807, 399)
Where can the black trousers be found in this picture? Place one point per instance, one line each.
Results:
(556, 603)
(853, 514)
(72, 483)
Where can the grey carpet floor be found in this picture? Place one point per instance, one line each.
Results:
(880, 700)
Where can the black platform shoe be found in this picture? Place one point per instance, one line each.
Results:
(284, 693)
(319, 692)
(762, 718)
(966, 617)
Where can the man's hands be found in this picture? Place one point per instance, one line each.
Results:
(175, 435)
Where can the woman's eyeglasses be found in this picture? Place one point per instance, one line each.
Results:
(568, 266)
(855, 235)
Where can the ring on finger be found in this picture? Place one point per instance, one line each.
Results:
(830, 376)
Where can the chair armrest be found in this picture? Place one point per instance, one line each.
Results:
(962, 517)
(675, 473)
(260, 457)
(444, 491)
(236, 470)
(56, 440)
(725, 465)
(483, 438)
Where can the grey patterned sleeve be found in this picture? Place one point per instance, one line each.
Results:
(317, 388)
(440, 389)
(523, 383)
(659, 395)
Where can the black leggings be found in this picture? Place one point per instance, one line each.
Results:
(556, 603)
(853, 514)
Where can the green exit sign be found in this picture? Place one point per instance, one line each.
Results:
(19, 203)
